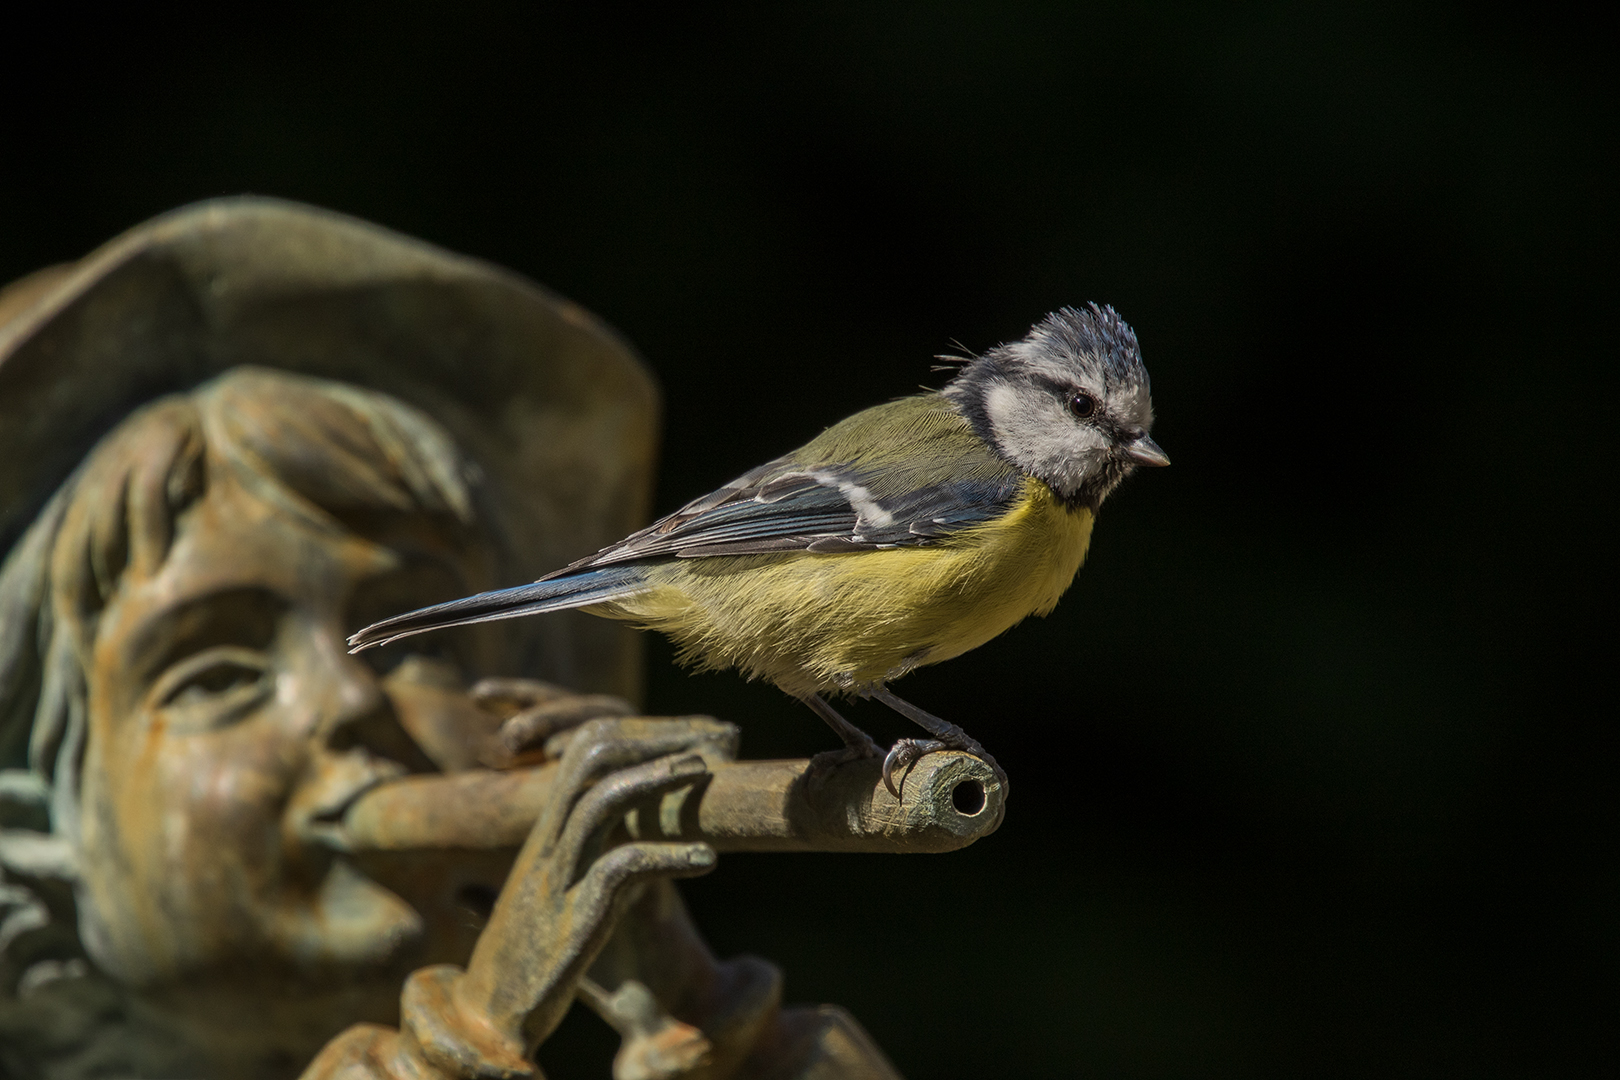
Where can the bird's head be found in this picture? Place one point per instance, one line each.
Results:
(1069, 403)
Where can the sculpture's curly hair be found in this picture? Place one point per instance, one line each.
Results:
(318, 449)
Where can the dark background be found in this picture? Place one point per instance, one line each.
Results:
(1313, 770)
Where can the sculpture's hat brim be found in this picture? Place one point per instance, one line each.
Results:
(556, 407)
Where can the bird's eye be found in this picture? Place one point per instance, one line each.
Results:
(1083, 406)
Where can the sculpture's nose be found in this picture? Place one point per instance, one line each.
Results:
(354, 712)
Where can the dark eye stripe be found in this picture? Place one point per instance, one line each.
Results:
(1064, 392)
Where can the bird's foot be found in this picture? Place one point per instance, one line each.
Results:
(946, 736)
(902, 755)
(905, 752)
(858, 745)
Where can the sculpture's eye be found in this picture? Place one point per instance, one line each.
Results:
(214, 687)
(1083, 406)
(215, 679)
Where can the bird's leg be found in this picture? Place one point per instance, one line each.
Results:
(857, 743)
(946, 736)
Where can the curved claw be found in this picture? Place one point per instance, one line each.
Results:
(901, 756)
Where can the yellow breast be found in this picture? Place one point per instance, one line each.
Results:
(820, 623)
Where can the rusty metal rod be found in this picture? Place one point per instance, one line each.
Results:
(949, 800)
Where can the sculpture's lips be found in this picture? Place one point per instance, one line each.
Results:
(334, 810)
(322, 822)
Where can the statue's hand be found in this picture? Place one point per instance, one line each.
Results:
(563, 898)
(538, 718)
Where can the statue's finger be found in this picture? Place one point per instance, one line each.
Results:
(529, 729)
(507, 696)
(599, 746)
(605, 805)
(608, 882)
(603, 745)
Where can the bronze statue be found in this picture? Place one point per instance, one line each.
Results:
(227, 440)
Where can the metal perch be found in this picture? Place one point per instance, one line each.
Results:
(949, 800)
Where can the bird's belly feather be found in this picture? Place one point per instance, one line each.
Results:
(842, 622)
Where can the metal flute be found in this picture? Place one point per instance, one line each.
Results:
(949, 800)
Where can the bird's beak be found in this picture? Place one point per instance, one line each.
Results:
(1144, 451)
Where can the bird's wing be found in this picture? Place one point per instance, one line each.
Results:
(791, 504)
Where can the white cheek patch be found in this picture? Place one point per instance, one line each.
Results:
(1037, 433)
(1001, 406)
(1031, 426)
(868, 511)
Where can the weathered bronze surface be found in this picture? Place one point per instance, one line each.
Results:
(229, 848)
(552, 407)
(681, 1013)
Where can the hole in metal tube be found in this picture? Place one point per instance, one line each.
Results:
(968, 797)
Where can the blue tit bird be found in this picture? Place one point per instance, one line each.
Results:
(904, 535)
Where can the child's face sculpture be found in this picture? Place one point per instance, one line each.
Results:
(229, 728)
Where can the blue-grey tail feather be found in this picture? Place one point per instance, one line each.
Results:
(559, 594)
